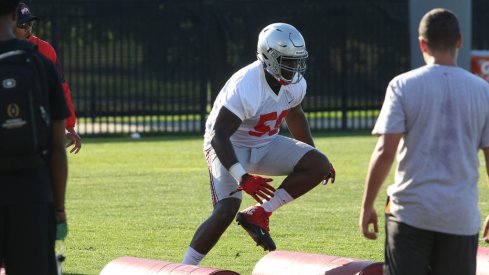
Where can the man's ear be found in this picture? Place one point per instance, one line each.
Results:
(460, 42)
(422, 44)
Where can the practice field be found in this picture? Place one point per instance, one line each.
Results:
(145, 198)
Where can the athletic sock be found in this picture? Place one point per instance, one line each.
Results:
(280, 197)
(192, 257)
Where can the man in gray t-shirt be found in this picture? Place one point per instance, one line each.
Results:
(437, 117)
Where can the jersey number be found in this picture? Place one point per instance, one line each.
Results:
(262, 128)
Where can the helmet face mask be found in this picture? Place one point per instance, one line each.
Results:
(282, 50)
(292, 67)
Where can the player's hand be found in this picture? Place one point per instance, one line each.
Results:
(331, 175)
(75, 140)
(369, 216)
(485, 235)
(256, 186)
(60, 215)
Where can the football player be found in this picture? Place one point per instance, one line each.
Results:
(242, 142)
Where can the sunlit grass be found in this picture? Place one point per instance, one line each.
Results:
(145, 198)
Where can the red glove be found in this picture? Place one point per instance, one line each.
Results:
(331, 175)
(256, 187)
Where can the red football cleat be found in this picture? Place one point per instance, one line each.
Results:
(255, 221)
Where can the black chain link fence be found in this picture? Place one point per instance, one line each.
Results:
(155, 66)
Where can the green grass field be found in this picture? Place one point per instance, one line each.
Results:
(145, 198)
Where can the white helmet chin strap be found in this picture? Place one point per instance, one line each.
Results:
(285, 82)
(280, 79)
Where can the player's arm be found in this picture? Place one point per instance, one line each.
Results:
(380, 165)
(71, 134)
(298, 125)
(226, 124)
(485, 235)
(70, 121)
(486, 156)
(57, 160)
(48, 51)
(58, 167)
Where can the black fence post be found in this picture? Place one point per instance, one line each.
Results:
(205, 76)
(93, 106)
(344, 72)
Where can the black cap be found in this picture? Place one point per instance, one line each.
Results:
(24, 14)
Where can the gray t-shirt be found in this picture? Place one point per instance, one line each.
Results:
(443, 112)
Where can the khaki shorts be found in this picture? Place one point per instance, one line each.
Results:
(278, 158)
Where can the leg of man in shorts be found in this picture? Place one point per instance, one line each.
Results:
(304, 166)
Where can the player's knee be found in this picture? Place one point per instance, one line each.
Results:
(317, 164)
(225, 211)
(224, 216)
(323, 165)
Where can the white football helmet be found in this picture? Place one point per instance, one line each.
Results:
(282, 49)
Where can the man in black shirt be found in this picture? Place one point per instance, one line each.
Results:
(32, 198)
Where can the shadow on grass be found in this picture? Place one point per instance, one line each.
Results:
(152, 137)
(144, 138)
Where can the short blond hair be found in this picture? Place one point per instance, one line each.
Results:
(440, 29)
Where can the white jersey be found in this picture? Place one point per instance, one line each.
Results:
(248, 95)
(443, 112)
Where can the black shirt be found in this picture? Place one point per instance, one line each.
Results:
(33, 184)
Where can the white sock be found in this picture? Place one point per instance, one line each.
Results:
(192, 257)
(280, 197)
